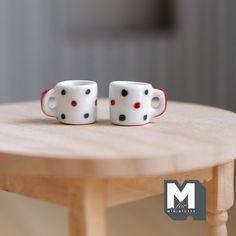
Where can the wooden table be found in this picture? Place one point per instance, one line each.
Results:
(91, 167)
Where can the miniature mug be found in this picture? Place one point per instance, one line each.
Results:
(75, 102)
(133, 103)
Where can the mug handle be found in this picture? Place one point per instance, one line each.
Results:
(161, 108)
(45, 97)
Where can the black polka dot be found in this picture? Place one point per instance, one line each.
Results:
(146, 92)
(86, 115)
(88, 91)
(63, 92)
(63, 116)
(145, 117)
(124, 92)
(122, 117)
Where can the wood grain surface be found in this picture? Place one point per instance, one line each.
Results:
(187, 137)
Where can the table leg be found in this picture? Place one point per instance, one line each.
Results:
(220, 197)
(87, 207)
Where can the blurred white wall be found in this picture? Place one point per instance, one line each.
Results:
(195, 63)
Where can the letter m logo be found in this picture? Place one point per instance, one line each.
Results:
(185, 200)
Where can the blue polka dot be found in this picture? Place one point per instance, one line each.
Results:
(88, 91)
(145, 117)
(86, 115)
(124, 92)
(122, 117)
(146, 92)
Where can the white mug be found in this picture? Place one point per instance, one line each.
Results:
(133, 103)
(75, 102)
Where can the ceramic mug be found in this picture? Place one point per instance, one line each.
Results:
(75, 101)
(133, 103)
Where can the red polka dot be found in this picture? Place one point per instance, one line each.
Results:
(113, 102)
(137, 105)
(73, 103)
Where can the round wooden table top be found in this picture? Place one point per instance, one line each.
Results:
(187, 137)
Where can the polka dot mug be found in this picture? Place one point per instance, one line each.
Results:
(71, 102)
(135, 103)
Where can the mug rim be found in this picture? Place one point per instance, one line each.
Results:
(129, 83)
(76, 83)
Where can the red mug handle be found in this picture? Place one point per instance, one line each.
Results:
(45, 97)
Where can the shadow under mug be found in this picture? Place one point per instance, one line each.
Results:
(71, 102)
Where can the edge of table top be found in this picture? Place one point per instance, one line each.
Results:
(121, 167)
